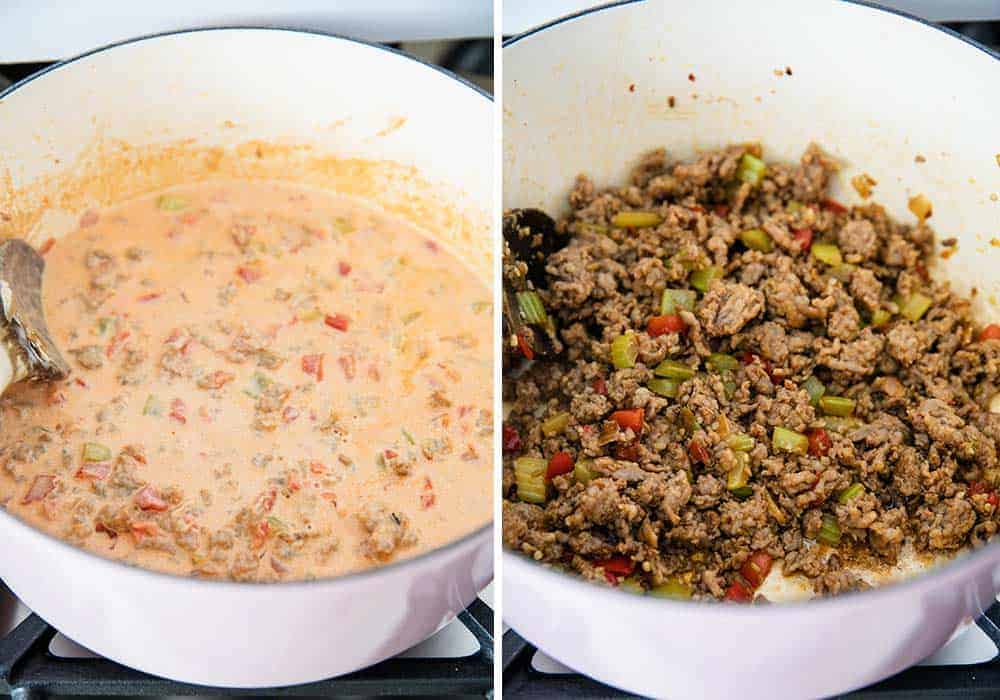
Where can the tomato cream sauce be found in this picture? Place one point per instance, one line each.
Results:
(269, 383)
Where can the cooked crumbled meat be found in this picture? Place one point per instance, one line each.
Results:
(387, 530)
(726, 308)
(907, 458)
(89, 356)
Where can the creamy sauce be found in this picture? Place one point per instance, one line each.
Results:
(269, 383)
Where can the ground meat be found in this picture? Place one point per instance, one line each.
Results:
(946, 525)
(660, 456)
(89, 356)
(859, 238)
(728, 307)
(387, 531)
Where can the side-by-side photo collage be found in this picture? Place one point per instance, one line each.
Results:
(496, 348)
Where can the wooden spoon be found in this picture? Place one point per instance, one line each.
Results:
(27, 351)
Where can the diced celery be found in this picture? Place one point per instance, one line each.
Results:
(664, 387)
(827, 253)
(674, 588)
(852, 491)
(258, 382)
(152, 407)
(836, 405)
(729, 387)
(739, 474)
(624, 350)
(756, 239)
(840, 424)
(794, 206)
(672, 369)
(529, 475)
(829, 531)
(740, 442)
(96, 452)
(915, 306)
(106, 324)
(843, 272)
(722, 362)
(880, 317)
(689, 420)
(171, 203)
(408, 435)
(814, 388)
(582, 471)
(702, 279)
(676, 299)
(556, 424)
(631, 584)
(785, 440)
(532, 310)
(636, 219)
(751, 169)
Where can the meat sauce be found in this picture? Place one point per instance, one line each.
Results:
(270, 383)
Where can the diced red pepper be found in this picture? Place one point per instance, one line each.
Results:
(600, 386)
(834, 206)
(805, 238)
(116, 342)
(89, 218)
(178, 411)
(313, 364)
(143, 529)
(511, 440)
(524, 347)
(981, 487)
(337, 322)
(738, 592)
(629, 418)
(991, 332)
(698, 452)
(819, 442)
(249, 274)
(344, 268)
(748, 358)
(41, 487)
(721, 210)
(143, 298)
(670, 323)
(46, 246)
(94, 470)
(756, 568)
(149, 499)
(627, 451)
(427, 498)
(618, 565)
(219, 379)
(317, 467)
(348, 365)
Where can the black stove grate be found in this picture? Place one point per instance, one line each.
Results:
(29, 671)
(979, 681)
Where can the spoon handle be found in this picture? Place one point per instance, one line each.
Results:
(27, 351)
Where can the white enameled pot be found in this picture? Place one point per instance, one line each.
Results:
(223, 87)
(876, 89)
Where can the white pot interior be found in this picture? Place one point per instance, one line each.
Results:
(177, 108)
